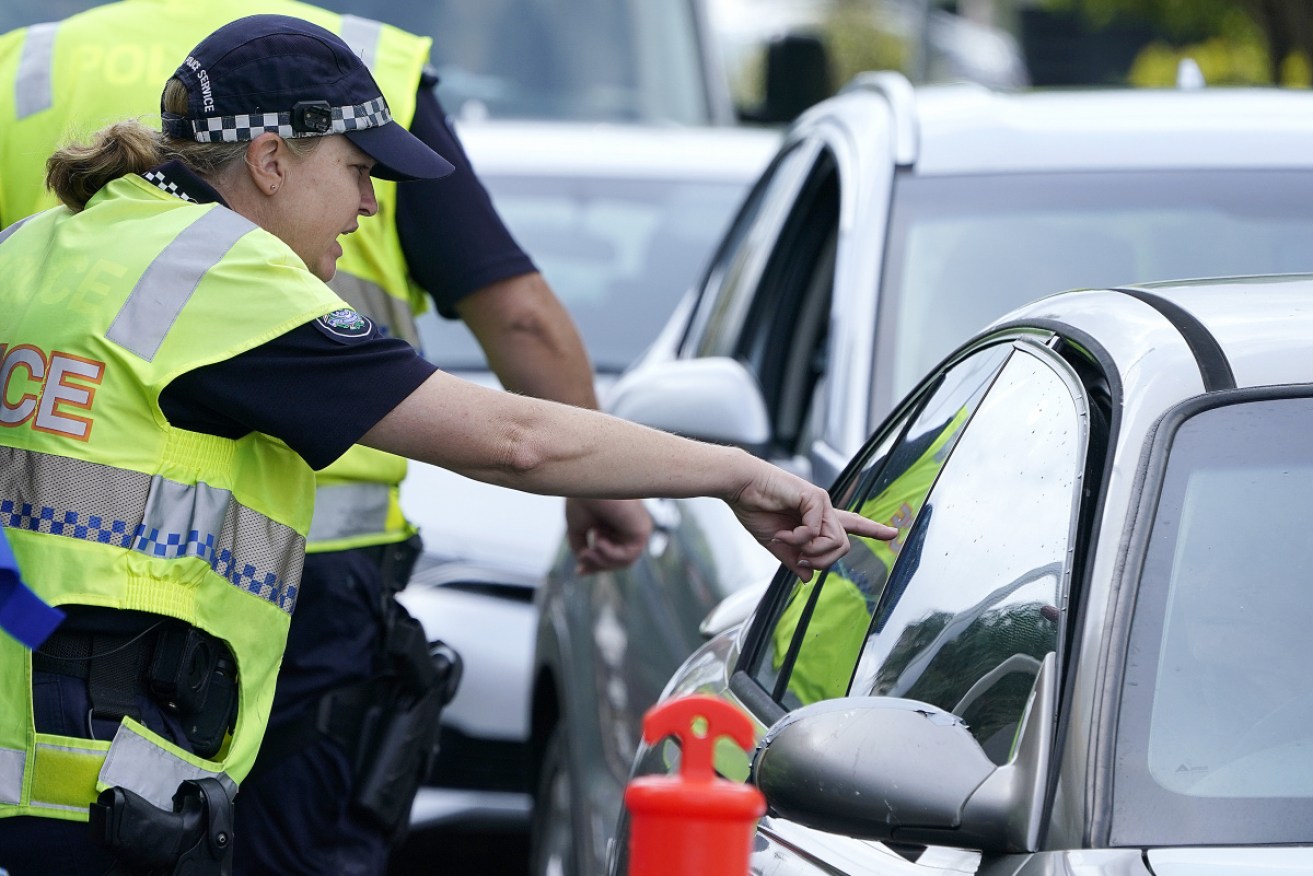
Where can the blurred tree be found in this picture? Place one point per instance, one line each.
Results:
(1233, 41)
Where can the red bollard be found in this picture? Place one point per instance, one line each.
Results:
(693, 824)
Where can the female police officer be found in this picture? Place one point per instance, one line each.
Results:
(172, 367)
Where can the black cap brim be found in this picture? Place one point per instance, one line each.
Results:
(398, 154)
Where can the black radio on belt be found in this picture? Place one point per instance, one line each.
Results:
(195, 676)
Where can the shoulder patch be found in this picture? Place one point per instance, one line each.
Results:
(344, 323)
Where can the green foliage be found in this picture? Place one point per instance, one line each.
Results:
(1222, 61)
(1235, 42)
(1176, 19)
(857, 43)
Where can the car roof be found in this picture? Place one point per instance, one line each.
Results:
(1262, 327)
(637, 152)
(971, 129)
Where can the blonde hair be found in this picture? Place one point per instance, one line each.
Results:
(76, 172)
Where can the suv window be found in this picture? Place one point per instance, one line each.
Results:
(737, 266)
(815, 641)
(773, 312)
(985, 493)
(1213, 742)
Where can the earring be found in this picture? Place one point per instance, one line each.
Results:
(273, 188)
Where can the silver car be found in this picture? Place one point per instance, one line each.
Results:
(893, 224)
(1087, 650)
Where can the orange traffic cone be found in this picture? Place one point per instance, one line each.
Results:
(695, 823)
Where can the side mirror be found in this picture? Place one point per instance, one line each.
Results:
(899, 770)
(713, 399)
(797, 75)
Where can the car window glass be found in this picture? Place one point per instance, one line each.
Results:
(965, 249)
(815, 639)
(737, 267)
(972, 605)
(784, 336)
(1215, 735)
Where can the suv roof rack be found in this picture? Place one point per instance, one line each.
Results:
(898, 92)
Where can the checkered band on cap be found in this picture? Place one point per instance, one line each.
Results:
(233, 129)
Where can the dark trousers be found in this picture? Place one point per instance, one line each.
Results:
(293, 813)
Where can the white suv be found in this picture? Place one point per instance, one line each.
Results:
(893, 224)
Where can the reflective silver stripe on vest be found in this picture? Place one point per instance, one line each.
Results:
(349, 510)
(362, 35)
(73, 498)
(11, 774)
(393, 316)
(141, 766)
(33, 91)
(4, 235)
(169, 281)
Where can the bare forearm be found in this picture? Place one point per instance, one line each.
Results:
(545, 447)
(548, 447)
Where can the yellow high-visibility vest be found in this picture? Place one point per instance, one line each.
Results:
(107, 504)
(69, 79)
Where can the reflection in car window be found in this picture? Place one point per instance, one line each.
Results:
(972, 605)
(834, 611)
(964, 250)
(1216, 731)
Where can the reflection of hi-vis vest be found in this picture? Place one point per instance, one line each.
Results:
(852, 588)
(104, 503)
(119, 68)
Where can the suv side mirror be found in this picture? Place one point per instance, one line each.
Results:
(797, 75)
(899, 770)
(712, 399)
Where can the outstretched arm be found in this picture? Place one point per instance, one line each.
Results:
(545, 447)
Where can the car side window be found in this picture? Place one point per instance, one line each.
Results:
(973, 604)
(815, 639)
(785, 332)
(737, 265)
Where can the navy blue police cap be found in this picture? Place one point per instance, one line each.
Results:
(282, 74)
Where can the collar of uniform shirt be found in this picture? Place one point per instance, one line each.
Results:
(178, 180)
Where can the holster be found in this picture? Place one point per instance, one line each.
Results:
(399, 739)
(194, 839)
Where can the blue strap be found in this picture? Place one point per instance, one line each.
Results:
(22, 613)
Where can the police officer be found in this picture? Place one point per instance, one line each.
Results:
(174, 368)
(442, 236)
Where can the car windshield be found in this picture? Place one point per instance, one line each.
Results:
(598, 60)
(964, 250)
(1215, 743)
(618, 252)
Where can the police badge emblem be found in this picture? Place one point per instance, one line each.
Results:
(346, 323)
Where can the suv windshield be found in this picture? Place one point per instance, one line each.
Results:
(619, 253)
(964, 250)
(1215, 743)
(600, 60)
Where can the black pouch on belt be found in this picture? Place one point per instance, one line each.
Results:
(195, 676)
